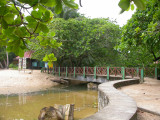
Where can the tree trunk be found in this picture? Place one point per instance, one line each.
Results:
(1, 66)
(7, 65)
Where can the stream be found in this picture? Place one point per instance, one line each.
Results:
(27, 106)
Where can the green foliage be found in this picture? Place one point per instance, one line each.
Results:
(140, 36)
(13, 66)
(125, 5)
(50, 58)
(86, 41)
(18, 31)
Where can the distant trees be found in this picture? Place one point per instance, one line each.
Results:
(5, 57)
(86, 41)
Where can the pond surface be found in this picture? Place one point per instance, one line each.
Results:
(27, 106)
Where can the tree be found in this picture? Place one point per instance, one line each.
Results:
(66, 13)
(86, 41)
(17, 29)
(125, 5)
(142, 34)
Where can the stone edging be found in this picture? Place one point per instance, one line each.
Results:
(113, 104)
(149, 111)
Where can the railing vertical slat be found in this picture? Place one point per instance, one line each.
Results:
(59, 71)
(137, 72)
(53, 70)
(74, 72)
(84, 72)
(142, 75)
(95, 70)
(66, 72)
(48, 70)
(123, 72)
(107, 73)
(156, 72)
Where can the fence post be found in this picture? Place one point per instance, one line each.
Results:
(107, 73)
(53, 70)
(95, 70)
(137, 71)
(123, 72)
(59, 71)
(74, 71)
(48, 70)
(84, 72)
(142, 75)
(66, 71)
(156, 72)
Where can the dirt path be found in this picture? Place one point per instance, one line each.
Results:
(13, 81)
(147, 96)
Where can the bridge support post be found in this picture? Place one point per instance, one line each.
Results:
(107, 73)
(95, 71)
(66, 72)
(59, 71)
(142, 75)
(84, 72)
(123, 72)
(137, 71)
(74, 72)
(156, 72)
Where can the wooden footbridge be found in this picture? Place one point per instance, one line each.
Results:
(101, 74)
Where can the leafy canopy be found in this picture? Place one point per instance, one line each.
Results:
(18, 30)
(142, 34)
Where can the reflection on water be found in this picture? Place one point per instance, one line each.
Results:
(27, 106)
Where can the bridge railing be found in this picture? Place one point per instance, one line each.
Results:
(103, 71)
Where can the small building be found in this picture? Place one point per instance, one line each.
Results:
(30, 63)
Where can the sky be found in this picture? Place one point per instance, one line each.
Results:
(104, 9)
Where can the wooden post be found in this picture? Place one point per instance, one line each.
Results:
(123, 72)
(95, 72)
(74, 72)
(156, 72)
(48, 70)
(71, 112)
(142, 75)
(84, 72)
(66, 72)
(107, 73)
(59, 71)
(53, 70)
(137, 71)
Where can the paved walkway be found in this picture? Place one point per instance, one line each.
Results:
(147, 95)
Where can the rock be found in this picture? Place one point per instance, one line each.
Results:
(92, 86)
(58, 112)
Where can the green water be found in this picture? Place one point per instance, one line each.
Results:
(27, 106)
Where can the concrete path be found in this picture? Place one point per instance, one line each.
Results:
(146, 95)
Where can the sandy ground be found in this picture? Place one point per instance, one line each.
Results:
(13, 81)
(147, 96)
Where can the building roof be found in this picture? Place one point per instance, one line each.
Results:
(27, 54)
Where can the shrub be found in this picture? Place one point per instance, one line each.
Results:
(13, 66)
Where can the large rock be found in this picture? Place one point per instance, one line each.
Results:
(58, 112)
(92, 86)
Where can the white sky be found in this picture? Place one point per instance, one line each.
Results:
(104, 9)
